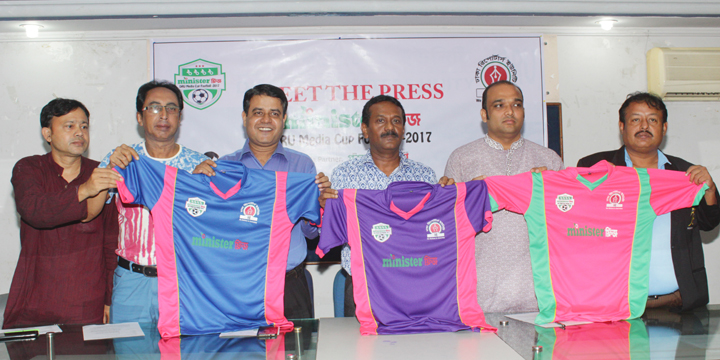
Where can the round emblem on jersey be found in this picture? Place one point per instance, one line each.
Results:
(614, 200)
(435, 229)
(195, 206)
(249, 212)
(564, 202)
(381, 232)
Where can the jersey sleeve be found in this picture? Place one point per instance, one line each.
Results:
(512, 193)
(302, 198)
(334, 227)
(671, 190)
(477, 205)
(143, 182)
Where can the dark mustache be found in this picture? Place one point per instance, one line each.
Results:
(644, 131)
(389, 133)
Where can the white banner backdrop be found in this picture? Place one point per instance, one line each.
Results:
(438, 79)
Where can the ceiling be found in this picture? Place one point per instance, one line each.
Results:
(112, 16)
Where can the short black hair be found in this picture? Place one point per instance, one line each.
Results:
(649, 99)
(485, 92)
(145, 88)
(267, 90)
(379, 99)
(60, 107)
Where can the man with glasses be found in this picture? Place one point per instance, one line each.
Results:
(158, 104)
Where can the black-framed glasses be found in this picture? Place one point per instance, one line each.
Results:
(156, 108)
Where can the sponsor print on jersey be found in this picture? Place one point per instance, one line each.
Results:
(401, 261)
(614, 200)
(195, 206)
(577, 230)
(211, 242)
(435, 229)
(249, 212)
(564, 202)
(381, 232)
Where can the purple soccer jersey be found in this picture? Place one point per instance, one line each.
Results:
(413, 254)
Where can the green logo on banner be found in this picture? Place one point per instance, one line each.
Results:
(201, 82)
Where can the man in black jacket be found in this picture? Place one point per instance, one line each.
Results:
(676, 239)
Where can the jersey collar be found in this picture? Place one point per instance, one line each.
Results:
(601, 167)
(408, 186)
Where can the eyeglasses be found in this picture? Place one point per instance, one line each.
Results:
(170, 109)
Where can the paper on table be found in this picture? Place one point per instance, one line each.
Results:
(239, 334)
(530, 318)
(40, 329)
(112, 331)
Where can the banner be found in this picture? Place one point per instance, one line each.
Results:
(438, 79)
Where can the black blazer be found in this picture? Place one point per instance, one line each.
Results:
(687, 252)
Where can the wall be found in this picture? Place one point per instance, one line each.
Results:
(596, 71)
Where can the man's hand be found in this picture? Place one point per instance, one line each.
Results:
(205, 167)
(106, 314)
(122, 156)
(481, 177)
(444, 181)
(325, 194)
(699, 174)
(538, 169)
(323, 181)
(326, 191)
(101, 179)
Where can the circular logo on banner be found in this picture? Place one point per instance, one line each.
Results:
(493, 69)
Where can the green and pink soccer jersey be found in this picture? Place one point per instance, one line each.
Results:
(590, 234)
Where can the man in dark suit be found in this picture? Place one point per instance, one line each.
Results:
(678, 279)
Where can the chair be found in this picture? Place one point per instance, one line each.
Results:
(309, 279)
(339, 293)
(3, 303)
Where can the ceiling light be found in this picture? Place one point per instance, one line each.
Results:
(31, 30)
(606, 24)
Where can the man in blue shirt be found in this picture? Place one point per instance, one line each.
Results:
(264, 115)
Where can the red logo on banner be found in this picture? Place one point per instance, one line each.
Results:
(495, 72)
(493, 69)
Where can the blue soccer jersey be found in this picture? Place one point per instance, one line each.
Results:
(412, 254)
(222, 242)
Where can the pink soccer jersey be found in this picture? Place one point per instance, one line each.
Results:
(590, 234)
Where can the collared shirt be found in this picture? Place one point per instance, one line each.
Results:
(504, 273)
(291, 161)
(362, 173)
(136, 239)
(64, 272)
(662, 271)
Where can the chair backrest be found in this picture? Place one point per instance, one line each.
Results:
(339, 294)
(309, 279)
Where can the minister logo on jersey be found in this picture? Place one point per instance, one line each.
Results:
(195, 206)
(598, 269)
(564, 202)
(410, 284)
(381, 232)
